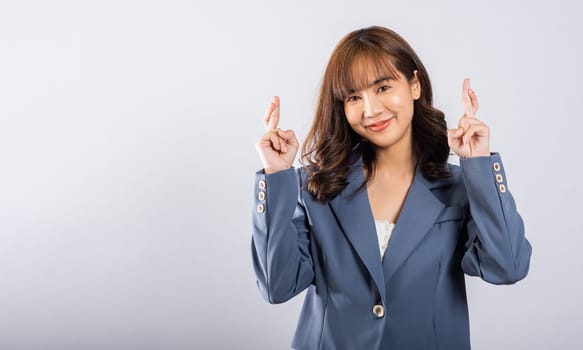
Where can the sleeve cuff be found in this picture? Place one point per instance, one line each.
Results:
(483, 167)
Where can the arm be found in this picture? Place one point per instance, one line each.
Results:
(280, 243)
(281, 257)
(496, 249)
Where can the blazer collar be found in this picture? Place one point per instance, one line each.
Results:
(352, 210)
(418, 214)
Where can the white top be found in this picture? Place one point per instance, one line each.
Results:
(384, 230)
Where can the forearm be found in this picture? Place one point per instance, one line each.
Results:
(280, 244)
(497, 249)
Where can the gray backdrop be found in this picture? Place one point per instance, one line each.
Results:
(127, 133)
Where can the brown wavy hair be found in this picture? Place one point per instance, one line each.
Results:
(330, 145)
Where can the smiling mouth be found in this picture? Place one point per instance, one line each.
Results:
(381, 125)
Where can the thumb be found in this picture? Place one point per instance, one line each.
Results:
(289, 136)
(456, 132)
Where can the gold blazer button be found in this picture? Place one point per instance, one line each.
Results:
(262, 184)
(378, 310)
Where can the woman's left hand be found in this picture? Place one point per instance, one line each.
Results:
(472, 136)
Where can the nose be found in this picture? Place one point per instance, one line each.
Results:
(372, 106)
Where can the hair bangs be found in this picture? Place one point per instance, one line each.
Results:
(360, 68)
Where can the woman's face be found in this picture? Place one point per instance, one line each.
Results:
(382, 112)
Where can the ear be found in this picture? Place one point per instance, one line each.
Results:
(415, 86)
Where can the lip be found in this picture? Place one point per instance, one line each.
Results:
(380, 125)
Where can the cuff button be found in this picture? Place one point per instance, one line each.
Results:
(499, 178)
(262, 184)
(261, 196)
(502, 188)
(496, 166)
(260, 208)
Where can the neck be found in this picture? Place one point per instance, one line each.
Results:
(397, 160)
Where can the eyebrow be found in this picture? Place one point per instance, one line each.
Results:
(378, 80)
(381, 79)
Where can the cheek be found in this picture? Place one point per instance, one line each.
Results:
(402, 102)
(398, 99)
(352, 117)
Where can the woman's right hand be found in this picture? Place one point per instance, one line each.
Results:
(277, 148)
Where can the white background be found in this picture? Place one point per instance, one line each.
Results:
(127, 133)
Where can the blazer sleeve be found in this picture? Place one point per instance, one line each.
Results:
(497, 249)
(280, 242)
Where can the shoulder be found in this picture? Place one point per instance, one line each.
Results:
(455, 178)
(455, 171)
(450, 190)
(302, 174)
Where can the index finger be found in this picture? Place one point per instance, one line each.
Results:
(469, 100)
(271, 118)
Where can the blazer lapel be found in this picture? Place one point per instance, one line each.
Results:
(419, 212)
(352, 210)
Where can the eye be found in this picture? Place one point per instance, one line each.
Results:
(351, 98)
(383, 88)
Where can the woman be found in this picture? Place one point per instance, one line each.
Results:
(375, 167)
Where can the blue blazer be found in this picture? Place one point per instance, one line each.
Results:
(413, 298)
